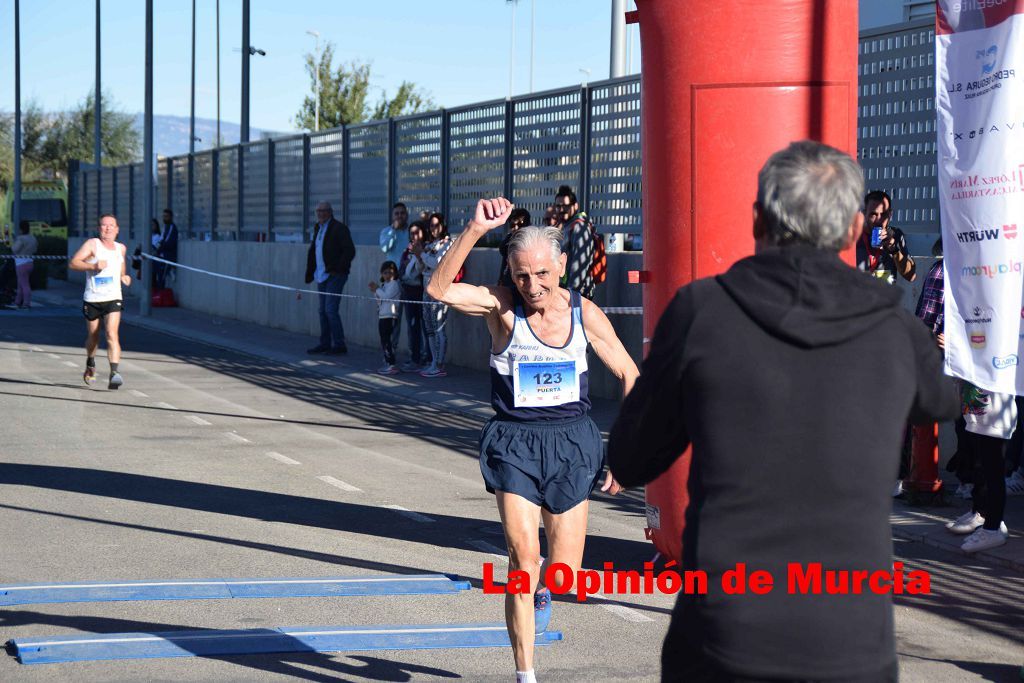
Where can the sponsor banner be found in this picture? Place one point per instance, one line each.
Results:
(979, 105)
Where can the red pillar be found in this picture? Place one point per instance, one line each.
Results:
(726, 84)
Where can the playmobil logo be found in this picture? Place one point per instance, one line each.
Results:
(990, 271)
(1004, 362)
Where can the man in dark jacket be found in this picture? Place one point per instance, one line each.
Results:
(770, 372)
(166, 248)
(328, 262)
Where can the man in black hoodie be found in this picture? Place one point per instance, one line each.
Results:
(770, 372)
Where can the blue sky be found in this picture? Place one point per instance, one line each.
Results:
(457, 50)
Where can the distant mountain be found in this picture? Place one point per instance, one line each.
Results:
(170, 133)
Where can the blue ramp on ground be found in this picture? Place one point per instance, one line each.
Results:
(46, 650)
(195, 589)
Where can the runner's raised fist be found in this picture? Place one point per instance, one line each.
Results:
(491, 213)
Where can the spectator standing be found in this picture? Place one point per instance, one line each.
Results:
(771, 372)
(166, 244)
(578, 242)
(435, 313)
(990, 421)
(24, 248)
(517, 219)
(387, 293)
(329, 262)
(410, 270)
(882, 247)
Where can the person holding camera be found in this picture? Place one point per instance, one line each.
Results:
(882, 248)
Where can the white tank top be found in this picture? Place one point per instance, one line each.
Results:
(105, 285)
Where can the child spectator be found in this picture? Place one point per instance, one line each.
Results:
(387, 293)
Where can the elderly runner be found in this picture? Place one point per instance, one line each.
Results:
(540, 454)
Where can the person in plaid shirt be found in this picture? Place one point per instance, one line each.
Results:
(929, 305)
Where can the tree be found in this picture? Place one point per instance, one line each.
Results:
(345, 95)
(71, 136)
(49, 141)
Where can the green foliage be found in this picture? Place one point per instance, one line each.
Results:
(49, 141)
(345, 95)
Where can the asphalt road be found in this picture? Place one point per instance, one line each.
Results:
(210, 463)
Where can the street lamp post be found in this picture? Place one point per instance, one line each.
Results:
(316, 68)
(512, 50)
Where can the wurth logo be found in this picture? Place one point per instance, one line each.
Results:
(985, 234)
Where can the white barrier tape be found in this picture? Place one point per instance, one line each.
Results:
(621, 310)
(36, 258)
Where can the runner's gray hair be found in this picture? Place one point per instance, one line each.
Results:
(531, 235)
(809, 193)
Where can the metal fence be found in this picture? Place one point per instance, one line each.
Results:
(524, 148)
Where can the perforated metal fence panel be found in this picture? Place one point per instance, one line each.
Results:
(546, 148)
(162, 198)
(289, 186)
(614, 174)
(255, 199)
(91, 215)
(327, 171)
(202, 196)
(525, 149)
(368, 208)
(107, 190)
(227, 194)
(476, 158)
(140, 223)
(418, 163)
(123, 201)
(179, 193)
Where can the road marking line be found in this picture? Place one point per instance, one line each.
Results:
(54, 356)
(136, 392)
(337, 483)
(70, 364)
(405, 512)
(621, 611)
(490, 549)
(165, 406)
(198, 420)
(282, 458)
(236, 437)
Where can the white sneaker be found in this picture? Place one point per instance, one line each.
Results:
(1015, 484)
(410, 366)
(964, 491)
(966, 523)
(983, 539)
(387, 369)
(898, 491)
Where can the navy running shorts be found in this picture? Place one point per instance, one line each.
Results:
(552, 464)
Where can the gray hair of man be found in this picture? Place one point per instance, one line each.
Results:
(532, 235)
(809, 193)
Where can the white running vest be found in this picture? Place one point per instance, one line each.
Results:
(106, 284)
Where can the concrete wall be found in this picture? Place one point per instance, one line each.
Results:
(285, 264)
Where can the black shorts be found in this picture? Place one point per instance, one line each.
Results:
(552, 464)
(94, 310)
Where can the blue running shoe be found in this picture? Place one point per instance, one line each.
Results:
(541, 610)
